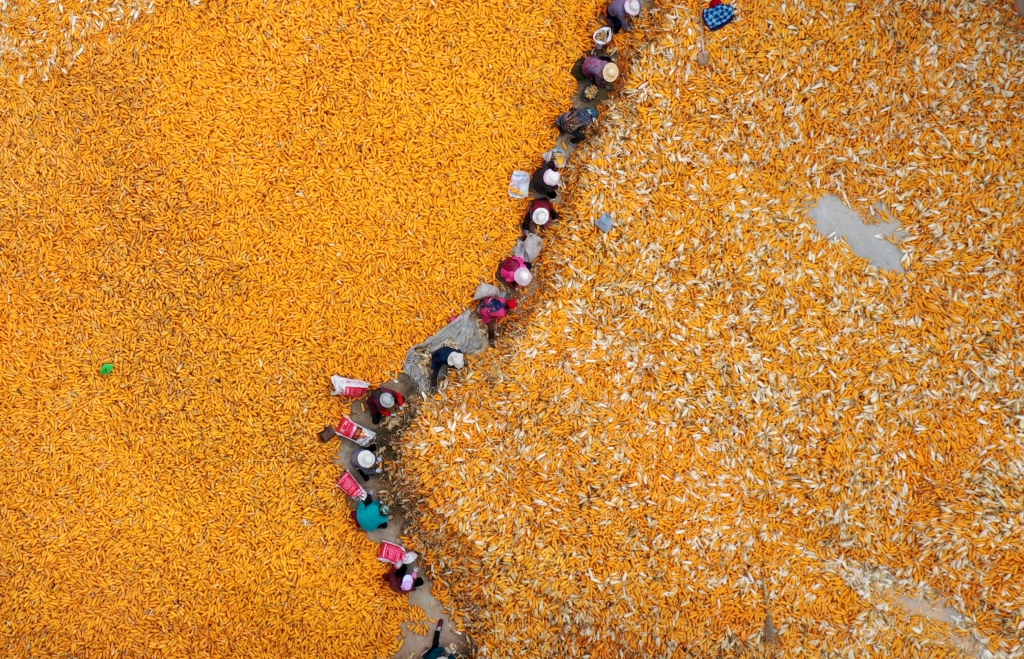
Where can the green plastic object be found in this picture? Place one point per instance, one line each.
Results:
(107, 369)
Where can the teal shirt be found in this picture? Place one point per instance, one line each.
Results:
(436, 653)
(370, 517)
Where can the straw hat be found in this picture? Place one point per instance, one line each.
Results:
(523, 276)
(387, 400)
(541, 216)
(610, 72)
(632, 7)
(366, 459)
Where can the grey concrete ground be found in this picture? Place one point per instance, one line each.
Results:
(413, 645)
(833, 218)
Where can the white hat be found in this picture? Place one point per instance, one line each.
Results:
(610, 72)
(387, 400)
(407, 582)
(541, 216)
(523, 276)
(366, 459)
(632, 7)
(551, 177)
(456, 360)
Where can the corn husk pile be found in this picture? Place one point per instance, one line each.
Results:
(714, 405)
(229, 202)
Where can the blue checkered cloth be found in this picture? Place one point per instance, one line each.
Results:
(718, 16)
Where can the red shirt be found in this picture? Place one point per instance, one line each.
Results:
(373, 402)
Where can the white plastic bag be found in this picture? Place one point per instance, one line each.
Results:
(349, 429)
(348, 387)
(519, 186)
(485, 291)
(528, 248)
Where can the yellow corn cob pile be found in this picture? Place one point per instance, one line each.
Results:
(230, 202)
(715, 397)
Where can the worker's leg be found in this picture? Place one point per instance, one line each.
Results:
(490, 333)
(437, 635)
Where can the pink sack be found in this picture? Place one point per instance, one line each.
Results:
(351, 487)
(391, 553)
(348, 387)
(349, 429)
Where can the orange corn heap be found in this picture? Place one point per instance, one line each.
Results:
(715, 404)
(230, 202)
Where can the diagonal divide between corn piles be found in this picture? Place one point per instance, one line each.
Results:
(467, 333)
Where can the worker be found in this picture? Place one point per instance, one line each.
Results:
(575, 123)
(601, 70)
(365, 461)
(493, 309)
(444, 358)
(515, 272)
(402, 582)
(540, 212)
(370, 515)
(434, 651)
(381, 403)
(546, 180)
(622, 12)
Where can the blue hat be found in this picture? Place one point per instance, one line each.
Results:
(592, 112)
